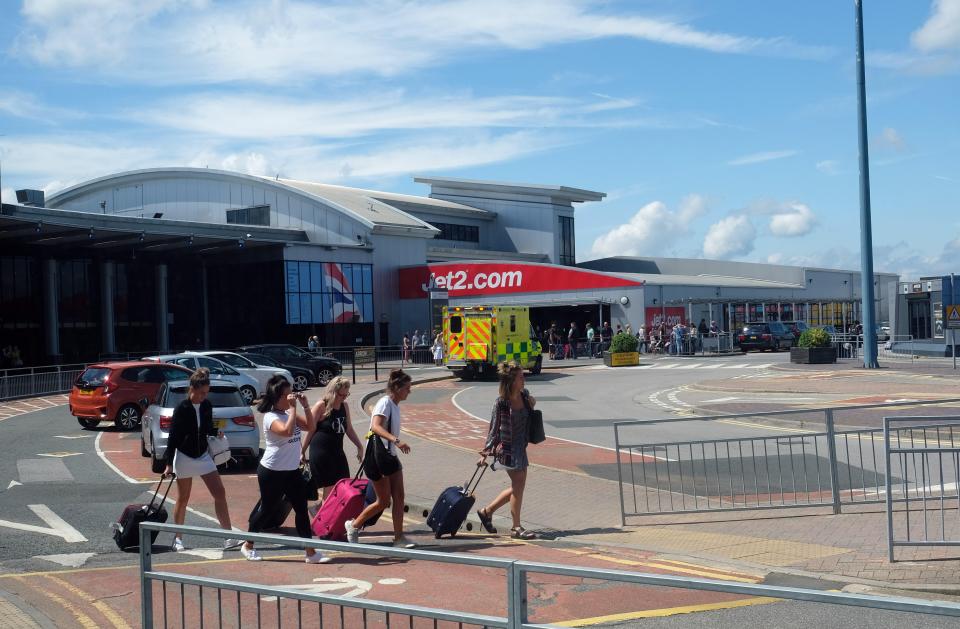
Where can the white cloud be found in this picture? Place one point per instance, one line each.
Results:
(798, 221)
(828, 167)
(730, 237)
(23, 105)
(652, 230)
(942, 28)
(187, 41)
(756, 158)
(891, 138)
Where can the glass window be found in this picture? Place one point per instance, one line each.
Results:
(305, 277)
(169, 374)
(367, 278)
(567, 245)
(93, 377)
(293, 308)
(293, 277)
(316, 307)
(456, 325)
(316, 277)
(220, 397)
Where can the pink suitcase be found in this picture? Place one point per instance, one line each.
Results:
(345, 502)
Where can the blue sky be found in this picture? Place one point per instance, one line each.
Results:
(718, 129)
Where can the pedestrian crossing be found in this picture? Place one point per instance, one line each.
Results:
(712, 365)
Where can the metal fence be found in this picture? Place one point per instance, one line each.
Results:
(24, 382)
(810, 464)
(923, 504)
(183, 600)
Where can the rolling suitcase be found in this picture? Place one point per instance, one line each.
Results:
(345, 502)
(453, 506)
(126, 530)
(274, 520)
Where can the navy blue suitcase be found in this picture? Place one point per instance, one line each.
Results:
(453, 506)
(370, 497)
(126, 531)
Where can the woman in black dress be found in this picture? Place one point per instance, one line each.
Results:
(328, 463)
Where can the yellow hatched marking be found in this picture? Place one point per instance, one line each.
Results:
(763, 427)
(667, 611)
(82, 619)
(666, 564)
(102, 607)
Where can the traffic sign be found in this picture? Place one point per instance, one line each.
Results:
(952, 317)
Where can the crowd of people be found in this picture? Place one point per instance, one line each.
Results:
(298, 435)
(677, 338)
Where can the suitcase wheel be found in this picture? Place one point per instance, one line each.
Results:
(453, 534)
(469, 526)
(436, 535)
(426, 513)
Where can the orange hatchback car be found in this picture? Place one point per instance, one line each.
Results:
(120, 392)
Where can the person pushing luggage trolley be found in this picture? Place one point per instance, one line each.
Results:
(507, 442)
(381, 463)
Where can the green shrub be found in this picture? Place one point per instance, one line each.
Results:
(623, 342)
(814, 337)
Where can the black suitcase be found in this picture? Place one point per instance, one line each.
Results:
(274, 520)
(453, 506)
(126, 531)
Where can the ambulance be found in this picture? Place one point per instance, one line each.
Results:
(478, 338)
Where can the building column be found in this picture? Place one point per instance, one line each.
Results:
(51, 310)
(108, 274)
(163, 332)
(205, 301)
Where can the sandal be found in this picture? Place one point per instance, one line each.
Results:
(518, 532)
(486, 521)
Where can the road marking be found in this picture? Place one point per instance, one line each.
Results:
(72, 436)
(734, 422)
(13, 483)
(392, 581)
(102, 607)
(667, 611)
(71, 560)
(56, 526)
(322, 585)
(720, 399)
(61, 455)
(82, 619)
(205, 553)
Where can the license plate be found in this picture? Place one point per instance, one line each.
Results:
(219, 424)
(86, 392)
(753, 338)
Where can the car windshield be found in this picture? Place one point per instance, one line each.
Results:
(260, 359)
(755, 329)
(235, 361)
(93, 377)
(295, 353)
(220, 397)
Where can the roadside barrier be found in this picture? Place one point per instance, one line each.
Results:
(803, 467)
(923, 503)
(25, 382)
(172, 599)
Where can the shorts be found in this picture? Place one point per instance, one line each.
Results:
(378, 462)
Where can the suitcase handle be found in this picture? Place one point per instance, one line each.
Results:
(481, 467)
(163, 477)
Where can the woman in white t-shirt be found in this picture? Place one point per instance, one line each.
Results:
(381, 464)
(279, 472)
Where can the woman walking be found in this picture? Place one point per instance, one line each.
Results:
(187, 455)
(331, 414)
(507, 443)
(279, 472)
(438, 349)
(381, 464)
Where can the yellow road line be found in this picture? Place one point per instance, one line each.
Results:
(763, 427)
(667, 611)
(102, 607)
(700, 571)
(82, 619)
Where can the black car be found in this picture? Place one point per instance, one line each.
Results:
(322, 369)
(771, 335)
(302, 377)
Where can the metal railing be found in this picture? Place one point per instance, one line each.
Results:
(803, 467)
(25, 382)
(923, 504)
(295, 607)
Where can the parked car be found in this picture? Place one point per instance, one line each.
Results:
(829, 329)
(259, 373)
(119, 391)
(883, 333)
(302, 377)
(322, 368)
(771, 335)
(797, 328)
(249, 388)
(231, 414)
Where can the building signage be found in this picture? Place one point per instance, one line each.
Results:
(465, 279)
(671, 315)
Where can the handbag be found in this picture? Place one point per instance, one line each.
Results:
(535, 433)
(312, 493)
(219, 449)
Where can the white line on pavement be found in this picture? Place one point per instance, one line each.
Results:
(55, 525)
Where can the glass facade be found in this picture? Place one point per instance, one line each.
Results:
(328, 292)
(21, 317)
(568, 253)
(461, 233)
(134, 306)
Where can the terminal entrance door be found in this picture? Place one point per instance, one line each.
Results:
(918, 312)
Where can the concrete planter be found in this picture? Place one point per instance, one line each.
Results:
(621, 359)
(813, 355)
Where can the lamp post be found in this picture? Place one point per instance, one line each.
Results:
(866, 231)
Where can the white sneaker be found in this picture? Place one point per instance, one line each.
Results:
(177, 545)
(403, 542)
(231, 543)
(317, 557)
(353, 533)
(250, 554)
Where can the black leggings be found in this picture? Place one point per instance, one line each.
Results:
(274, 485)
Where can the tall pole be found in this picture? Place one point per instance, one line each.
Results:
(866, 231)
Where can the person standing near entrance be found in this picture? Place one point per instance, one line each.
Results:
(590, 337)
(406, 348)
(438, 349)
(572, 339)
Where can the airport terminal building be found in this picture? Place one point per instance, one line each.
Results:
(175, 258)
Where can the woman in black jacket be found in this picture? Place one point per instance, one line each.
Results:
(187, 454)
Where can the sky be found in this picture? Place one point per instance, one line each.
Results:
(718, 130)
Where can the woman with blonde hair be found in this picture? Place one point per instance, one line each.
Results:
(331, 414)
(507, 441)
(381, 463)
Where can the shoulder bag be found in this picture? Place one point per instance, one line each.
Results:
(535, 432)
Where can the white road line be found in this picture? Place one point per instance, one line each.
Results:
(56, 526)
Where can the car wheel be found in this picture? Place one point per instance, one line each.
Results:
(300, 383)
(249, 394)
(537, 366)
(88, 423)
(128, 417)
(324, 376)
(143, 449)
(157, 465)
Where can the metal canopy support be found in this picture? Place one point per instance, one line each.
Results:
(108, 274)
(163, 332)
